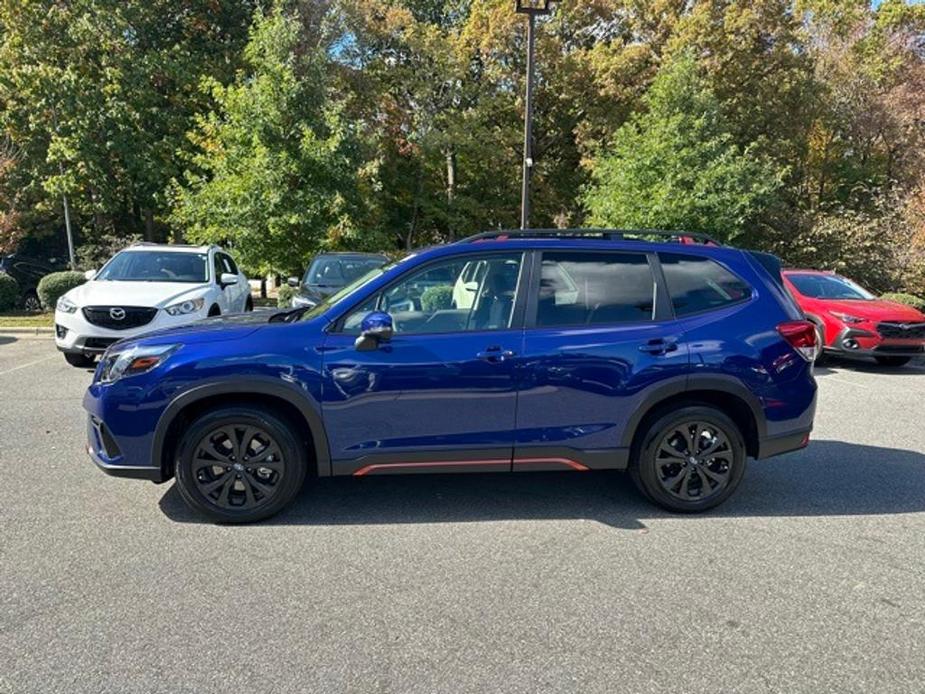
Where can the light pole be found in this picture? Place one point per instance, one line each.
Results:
(531, 8)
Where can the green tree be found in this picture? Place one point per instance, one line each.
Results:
(676, 166)
(96, 97)
(274, 176)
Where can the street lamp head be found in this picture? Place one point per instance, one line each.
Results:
(533, 6)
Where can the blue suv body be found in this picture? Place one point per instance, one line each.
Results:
(505, 352)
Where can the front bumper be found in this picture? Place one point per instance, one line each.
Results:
(76, 335)
(104, 451)
(858, 342)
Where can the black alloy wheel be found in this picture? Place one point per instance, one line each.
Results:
(31, 303)
(240, 464)
(692, 459)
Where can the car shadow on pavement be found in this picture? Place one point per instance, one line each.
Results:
(6, 340)
(830, 478)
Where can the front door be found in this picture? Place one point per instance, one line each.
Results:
(441, 395)
(598, 334)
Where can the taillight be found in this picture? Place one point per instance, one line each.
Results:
(801, 334)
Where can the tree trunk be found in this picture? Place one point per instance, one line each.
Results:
(149, 224)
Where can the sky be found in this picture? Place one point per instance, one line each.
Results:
(876, 3)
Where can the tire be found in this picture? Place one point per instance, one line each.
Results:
(212, 471)
(214, 311)
(81, 361)
(249, 304)
(676, 484)
(820, 341)
(31, 303)
(893, 361)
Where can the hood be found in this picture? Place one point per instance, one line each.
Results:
(235, 326)
(147, 294)
(876, 310)
(316, 292)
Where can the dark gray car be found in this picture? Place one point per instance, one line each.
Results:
(328, 272)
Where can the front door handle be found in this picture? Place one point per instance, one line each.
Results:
(495, 355)
(659, 346)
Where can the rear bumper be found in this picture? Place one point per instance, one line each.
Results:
(771, 446)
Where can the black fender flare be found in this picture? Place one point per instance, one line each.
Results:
(245, 387)
(679, 385)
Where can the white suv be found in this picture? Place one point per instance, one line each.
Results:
(147, 287)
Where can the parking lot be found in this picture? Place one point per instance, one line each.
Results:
(811, 579)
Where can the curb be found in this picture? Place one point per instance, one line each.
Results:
(27, 331)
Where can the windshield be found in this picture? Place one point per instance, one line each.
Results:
(345, 292)
(829, 287)
(336, 272)
(155, 266)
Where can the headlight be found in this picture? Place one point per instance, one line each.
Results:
(185, 307)
(847, 318)
(66, 305)
(137, 360)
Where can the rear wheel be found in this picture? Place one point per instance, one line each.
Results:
(239, 464)
(893, 361)
(249, 304)
(31, 303)
(691, 459)
(81, 361)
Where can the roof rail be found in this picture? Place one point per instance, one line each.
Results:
(606, 234)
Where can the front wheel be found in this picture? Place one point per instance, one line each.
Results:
(81, 361)
(249, 304)
(691, 459)
(239, 464)
(893, 361)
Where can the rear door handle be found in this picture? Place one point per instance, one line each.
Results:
(495, 355)
(659, 346)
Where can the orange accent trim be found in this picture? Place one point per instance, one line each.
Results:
(556, 461)
(362, 472)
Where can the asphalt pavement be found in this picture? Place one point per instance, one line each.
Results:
(810, 579)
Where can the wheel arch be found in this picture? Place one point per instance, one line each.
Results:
(722, 392)
(274, 396)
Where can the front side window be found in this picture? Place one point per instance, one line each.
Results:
(699, 284)
(829, 287)
(427, 301)
(155, 266)
(594, 289)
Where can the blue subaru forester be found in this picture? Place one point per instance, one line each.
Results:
(668, 356)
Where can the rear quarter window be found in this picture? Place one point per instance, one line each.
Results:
(698, 284)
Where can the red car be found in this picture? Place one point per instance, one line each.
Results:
(851, 321)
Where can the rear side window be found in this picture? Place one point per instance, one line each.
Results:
(700, 284)
(594, 289)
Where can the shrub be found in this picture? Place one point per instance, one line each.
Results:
(57, 284)
(284, 296)
(908, 299)
(9, 292)
(437, 299)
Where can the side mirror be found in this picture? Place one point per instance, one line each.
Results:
(375, 329)
(90, 274)
(227, 279)
(293, 282)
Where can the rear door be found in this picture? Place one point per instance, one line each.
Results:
(598, 333)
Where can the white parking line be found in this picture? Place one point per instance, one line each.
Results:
(31, 363)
